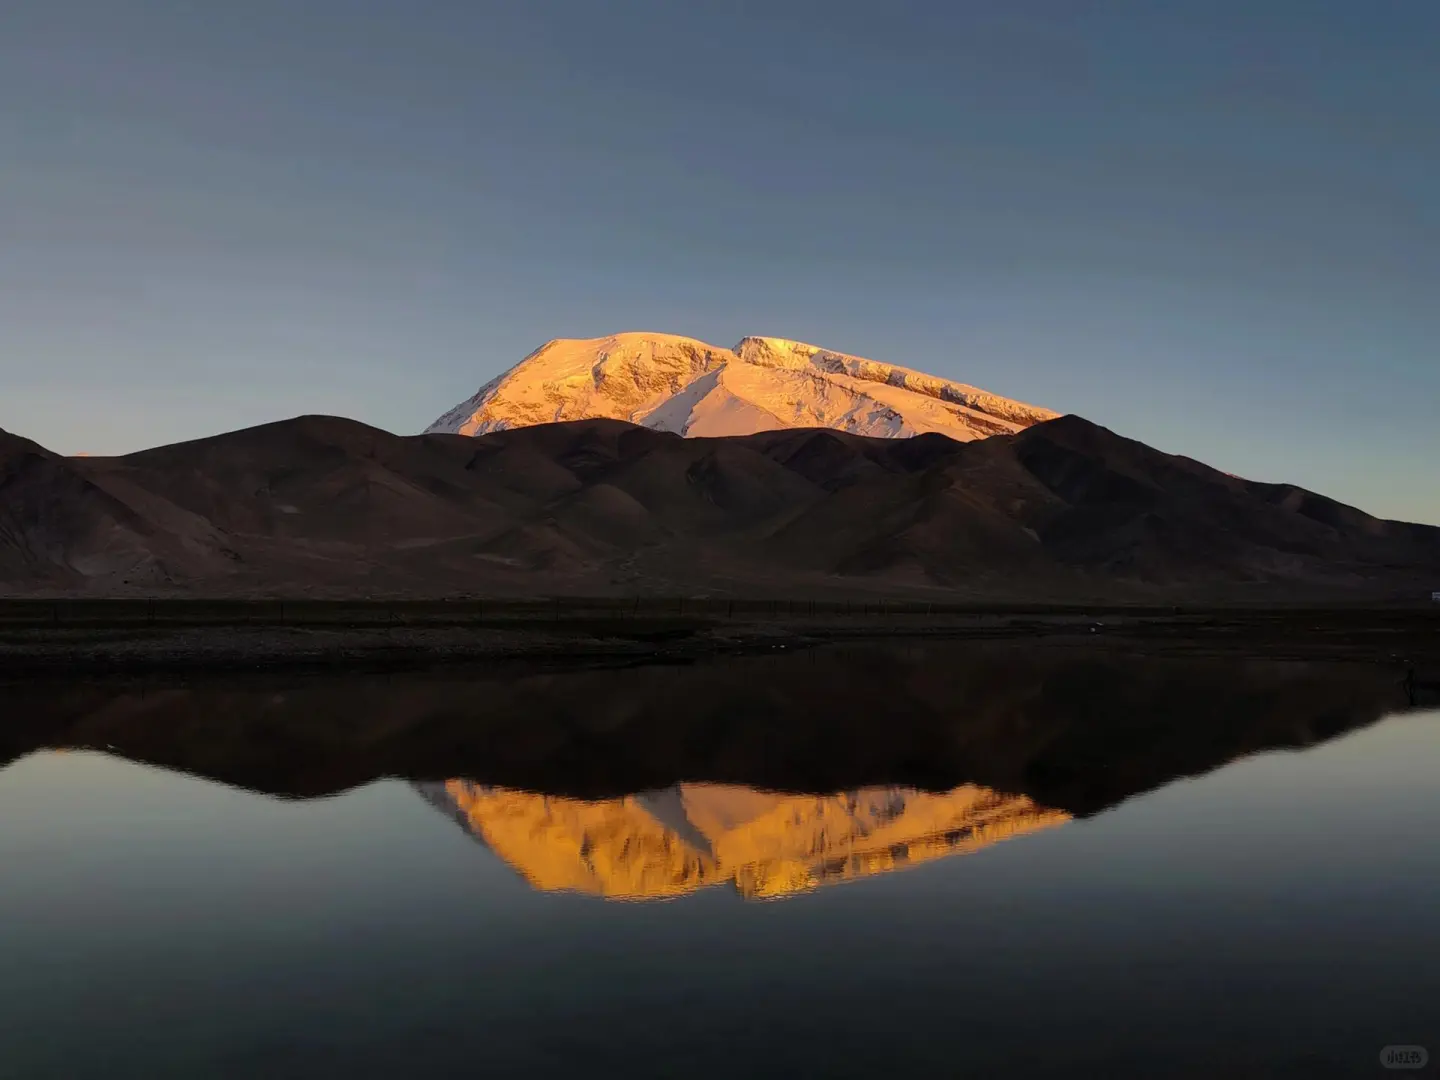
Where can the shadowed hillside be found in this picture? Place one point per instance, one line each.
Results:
(320, 504)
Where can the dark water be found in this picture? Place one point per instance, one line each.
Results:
(942, 861)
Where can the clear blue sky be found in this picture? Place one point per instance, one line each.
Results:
(1209, 225)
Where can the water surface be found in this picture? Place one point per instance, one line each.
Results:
(946, 861)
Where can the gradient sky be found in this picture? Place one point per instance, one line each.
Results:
(1210, 226)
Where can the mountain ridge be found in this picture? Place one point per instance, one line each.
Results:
(1063, 509)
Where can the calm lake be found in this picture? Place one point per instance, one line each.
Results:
(939, 860)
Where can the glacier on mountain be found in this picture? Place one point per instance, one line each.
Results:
(680, 384)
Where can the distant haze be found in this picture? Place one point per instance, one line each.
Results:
(1209, 226)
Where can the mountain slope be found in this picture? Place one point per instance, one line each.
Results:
(1063, 509)
(678, 384)
(61, 526)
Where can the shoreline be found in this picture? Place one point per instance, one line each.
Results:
(1396, 637)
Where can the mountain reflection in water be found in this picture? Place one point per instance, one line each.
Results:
(1073, 729)
(663, 844)
(771, 774)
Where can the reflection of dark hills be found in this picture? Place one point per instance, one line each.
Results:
(1074, 729)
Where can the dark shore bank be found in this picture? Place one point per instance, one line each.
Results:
(71, 636)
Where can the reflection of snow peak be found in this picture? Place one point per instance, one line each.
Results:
(682, 385)
(666, 843)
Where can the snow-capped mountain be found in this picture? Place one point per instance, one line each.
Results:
(679, 384)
